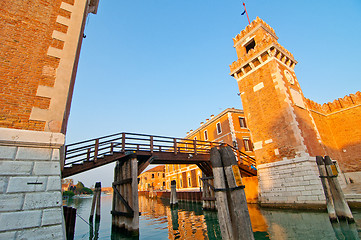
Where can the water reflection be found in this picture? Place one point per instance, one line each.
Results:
(189, 221)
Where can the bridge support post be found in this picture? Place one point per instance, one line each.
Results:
(125, 212)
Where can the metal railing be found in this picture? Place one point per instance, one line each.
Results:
(91, 150)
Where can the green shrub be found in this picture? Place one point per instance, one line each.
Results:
(68, 194)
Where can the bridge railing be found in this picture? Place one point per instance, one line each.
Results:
(91, 150)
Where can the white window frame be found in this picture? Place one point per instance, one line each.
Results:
(220, 128)
(249, 147)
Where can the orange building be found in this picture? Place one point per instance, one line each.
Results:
(228, 127)
(153, 179)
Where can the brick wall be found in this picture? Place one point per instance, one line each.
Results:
(24, 65)
(39, 53)
(339, 125)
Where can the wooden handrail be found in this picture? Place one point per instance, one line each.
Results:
(93, 149)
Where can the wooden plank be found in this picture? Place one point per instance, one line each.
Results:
(175, 146)
(123, 142)
(130, 210)
(151, 144)
(123, 181)
(96, 149)
(122, 214)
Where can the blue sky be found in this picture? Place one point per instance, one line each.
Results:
(161, 67)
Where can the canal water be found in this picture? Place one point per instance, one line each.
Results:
(159, 221)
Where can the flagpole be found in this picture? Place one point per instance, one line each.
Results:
(246, 12)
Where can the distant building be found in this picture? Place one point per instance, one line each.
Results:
(152, 179)
(228, 127)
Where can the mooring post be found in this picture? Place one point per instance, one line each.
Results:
(173, 193)
(342, 209)
(98, 186)
(96, 202)
(224, 217)
(241, 222)
(174, 214)
(326, 189)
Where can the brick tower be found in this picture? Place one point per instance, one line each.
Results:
(285, 137)
(39, 52)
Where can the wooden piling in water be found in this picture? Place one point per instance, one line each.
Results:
(96, 202)
(224, 217)
(241, 222)
(326, 189)
(125, 212)
(342, 209)
(173, 193)
(98, 186)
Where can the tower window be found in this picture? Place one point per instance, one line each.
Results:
(219, 129)
(250, 45)
(242, 122)
(206, 135)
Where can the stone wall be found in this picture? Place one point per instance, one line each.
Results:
(290, 183)
(30, 186)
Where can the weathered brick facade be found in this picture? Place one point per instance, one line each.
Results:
(38, 59)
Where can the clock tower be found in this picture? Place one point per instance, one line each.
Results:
(286, 139)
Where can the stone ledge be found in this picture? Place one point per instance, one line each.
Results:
(18, 137)
(287, 162)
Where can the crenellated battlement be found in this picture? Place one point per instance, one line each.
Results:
(336, 105)
(265, 47)
(251, 27)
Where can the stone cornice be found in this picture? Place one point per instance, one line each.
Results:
(273, 50)
(18, 137)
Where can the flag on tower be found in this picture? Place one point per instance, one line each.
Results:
(243, 12)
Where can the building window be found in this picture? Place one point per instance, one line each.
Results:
(247, 144)
(163, 184)
(219, 129)
(189, 182)
(163, 175)
(242, 122)
(250, 45)
(206, 135)
(152, 175)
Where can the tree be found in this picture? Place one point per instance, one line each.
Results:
(79, 187)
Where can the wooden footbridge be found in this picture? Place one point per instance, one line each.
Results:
(148, 149)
